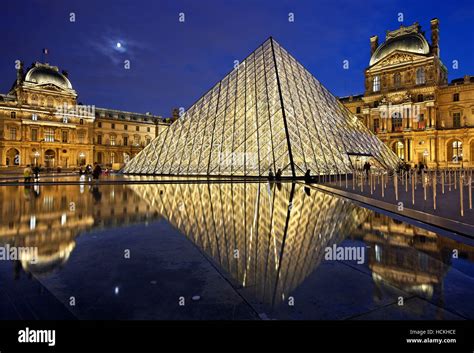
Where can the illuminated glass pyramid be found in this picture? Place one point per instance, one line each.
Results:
(269, 113)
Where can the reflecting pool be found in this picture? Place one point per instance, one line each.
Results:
(222, 250)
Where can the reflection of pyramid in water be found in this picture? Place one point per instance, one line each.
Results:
(280, 235)
(268, 113)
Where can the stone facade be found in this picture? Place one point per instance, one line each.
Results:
(410, 105)
(41, 123)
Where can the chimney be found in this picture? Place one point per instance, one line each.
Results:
(435, 36)
(374, 43)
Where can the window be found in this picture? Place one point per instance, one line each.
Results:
(125, 127)
(81, 136)
(420, 76)
(399, 149)
(456, 97)
(65, 120)
(358, 110)
(34, 134)
(13, 115)
(34, 117)
(421, 122)
(49, 134)
(99, 124)
(419, 98)
(125, 140)
(376, 125)
(397, 122)
(81, 122)
(112, 126)
(99, 139)
(376, 84)
(137, 128)
(455, 151)
(64, 136)
(112, 140)
(112, 157)
(148, 129)
(456, 119)
(13, 133)
(397, 80)
(137, 141)
(148, 140)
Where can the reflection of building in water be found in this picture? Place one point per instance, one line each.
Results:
(268, 239)
(410, 258)
(50, 217)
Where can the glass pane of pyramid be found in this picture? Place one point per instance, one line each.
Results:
(269, 113)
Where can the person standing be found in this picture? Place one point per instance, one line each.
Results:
(27, 172)
(97, 171)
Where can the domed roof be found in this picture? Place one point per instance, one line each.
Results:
(46, 74)
(412, 43)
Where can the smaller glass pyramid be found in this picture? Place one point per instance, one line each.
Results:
(268, 114)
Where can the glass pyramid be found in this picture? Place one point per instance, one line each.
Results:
(269, 113)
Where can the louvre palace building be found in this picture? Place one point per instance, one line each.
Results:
(409, 103)
(41, 123)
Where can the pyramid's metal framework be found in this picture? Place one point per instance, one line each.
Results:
(269, 113)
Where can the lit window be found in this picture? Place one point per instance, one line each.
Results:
(420, 76)
(112, 157)
(112, 140)
(455, 151)
(399, 149)
(34, 117)
(376, 85)
(49, 135)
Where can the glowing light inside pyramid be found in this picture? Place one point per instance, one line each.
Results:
(269, 113)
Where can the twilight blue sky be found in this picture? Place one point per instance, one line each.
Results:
(173, 63)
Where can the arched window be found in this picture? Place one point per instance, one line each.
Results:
(376, 84)
(397, 79)
(420, 76)
(455, 151)
(399, 149)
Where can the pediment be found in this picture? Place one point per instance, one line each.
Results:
(398, 57)
(51, 87)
